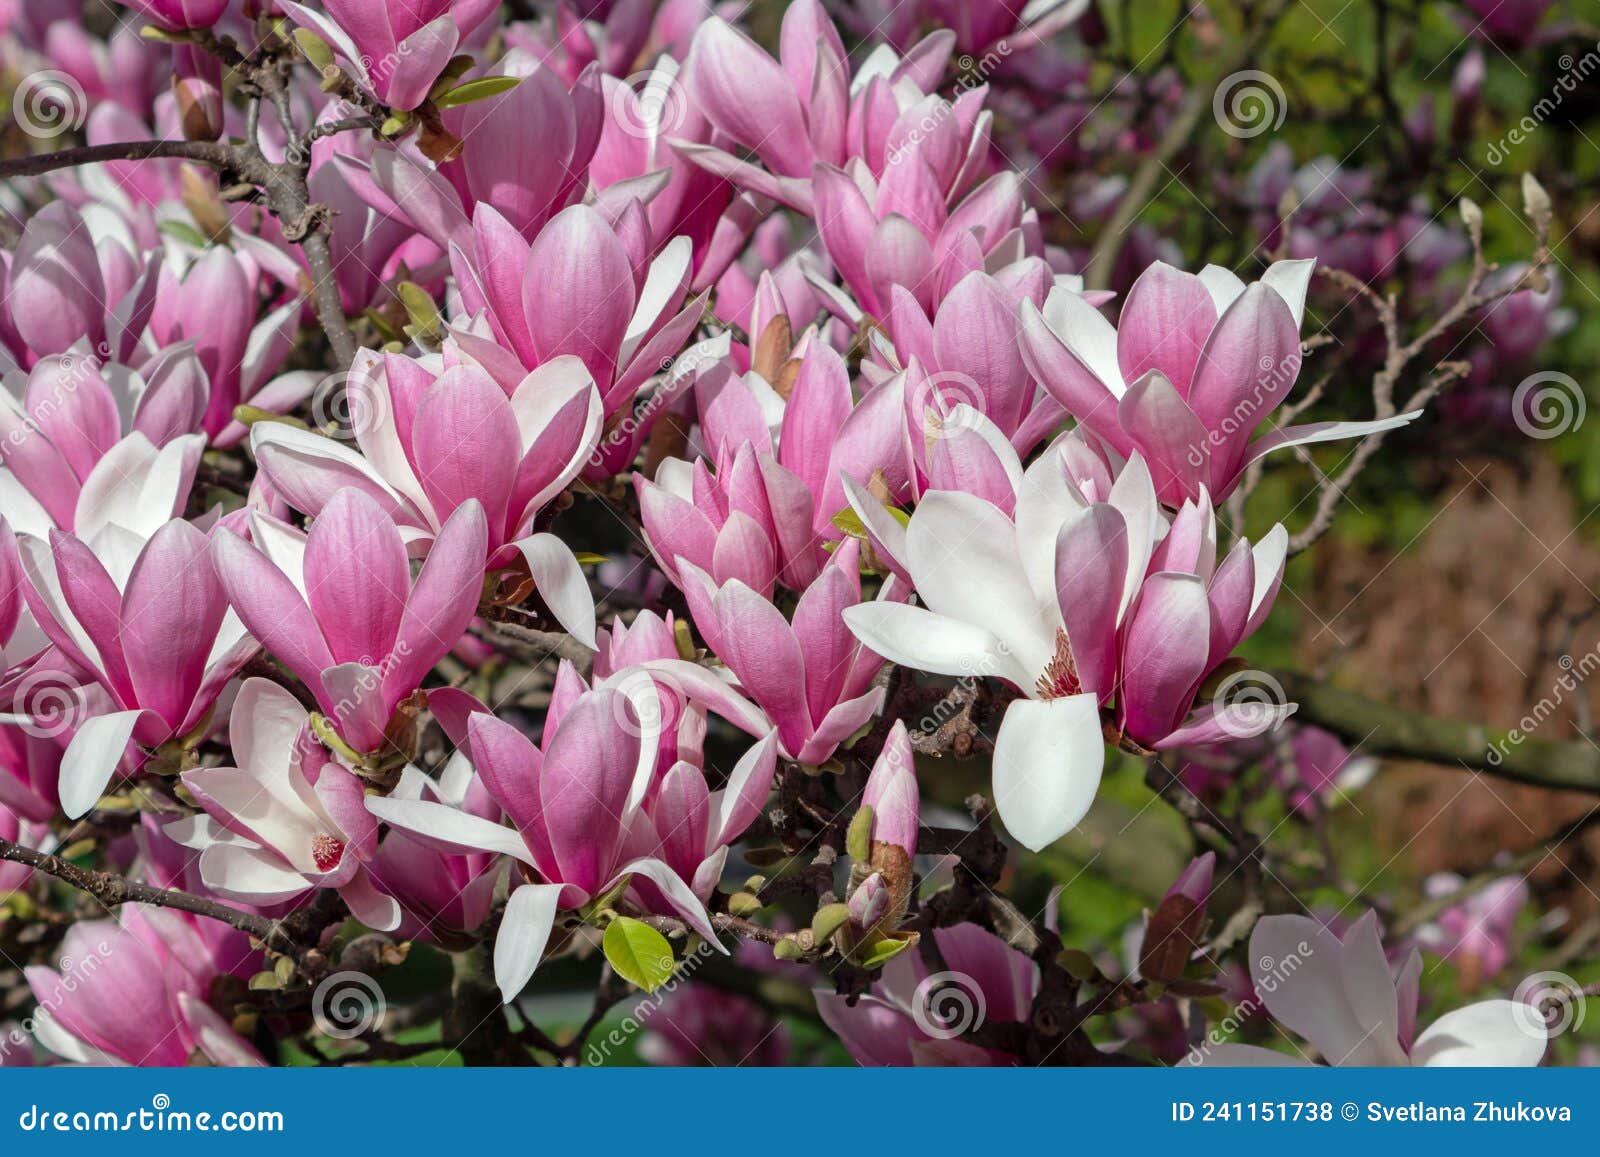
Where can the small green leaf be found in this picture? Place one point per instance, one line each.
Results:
(314, 49)
(185, 232)
(858, 837)
(585, 558)
(828, 920)
(884, 951)
(481, 89)
(639, 953)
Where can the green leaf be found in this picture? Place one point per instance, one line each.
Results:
(185, 232)
(884, 951)
(481, 89)
(314, 49)
(639, 953)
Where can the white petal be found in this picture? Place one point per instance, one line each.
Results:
(1291, 279)
(924, 641)
(448, 829)
(1505, 1033)
(561, 584)
(524, 931)
(962, 555)
(249, 874)
(1047, 763)
(91, 759)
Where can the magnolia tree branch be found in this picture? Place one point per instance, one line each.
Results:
(1401, 354)
(1383, 729)
(113, 890)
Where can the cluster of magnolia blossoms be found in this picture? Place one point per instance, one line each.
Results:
(219, 598)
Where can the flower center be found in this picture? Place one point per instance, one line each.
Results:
(326, 851)
(1060, 678)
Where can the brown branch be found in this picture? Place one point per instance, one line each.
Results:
(1384, 729)
(112, 890)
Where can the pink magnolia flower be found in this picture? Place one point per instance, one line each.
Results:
(692, 202)
(580, 816)
(339, 607)
(1354, 1009)
(212, 306)
(1082, 598)
(62, 288)
(1007, 26)
(288, 819)
(1195, 364)
(371, 238)
(439, 893)
(133, 991)
(912, 1017)
(804, 110)
(178, 15)
(968, 353)
(150, 623)
(807, 675)
(71, 415)
(1476, 933)
(1511, 23)
(119, 502)
(618, 311)
(525, 186)
(432, 442)
(395, 49)
(895, 232)
(30, 768)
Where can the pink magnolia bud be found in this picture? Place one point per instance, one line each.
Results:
(197, 84)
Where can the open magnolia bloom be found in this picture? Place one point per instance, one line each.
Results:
(288, 819)
(1080, 604)
(1355, 1009)
(151, 624)
(437, 434)
(590, 817)
(1195, 363)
